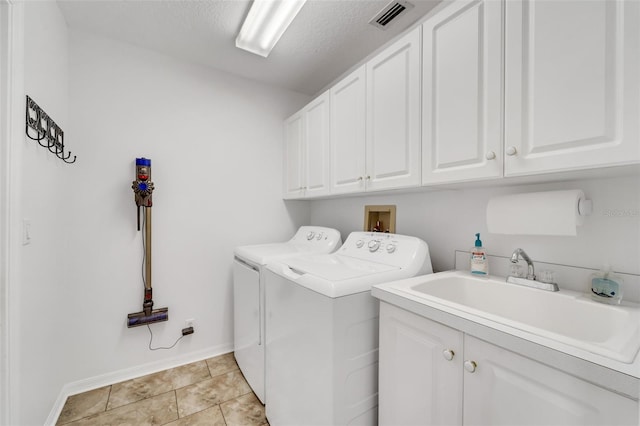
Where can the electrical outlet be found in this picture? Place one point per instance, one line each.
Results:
(26, 232)
(189, 322)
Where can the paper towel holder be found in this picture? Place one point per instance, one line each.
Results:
(585, 207)
(557, 212)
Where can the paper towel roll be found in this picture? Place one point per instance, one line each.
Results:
(536, 213)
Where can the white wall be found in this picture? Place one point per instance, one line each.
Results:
(448, 219)
(40, 328)
(215, 142)
(215, 145)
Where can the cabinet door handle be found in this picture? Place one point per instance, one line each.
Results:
(490, 155)
(359, 177)
(448, 354)
(368, 177)
(511, 151)
(470, 366)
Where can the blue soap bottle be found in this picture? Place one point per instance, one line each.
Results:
(479, 263)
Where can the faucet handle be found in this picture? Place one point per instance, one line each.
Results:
(547, 276)
(517, 271)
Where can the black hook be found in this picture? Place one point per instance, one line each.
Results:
(45, 127)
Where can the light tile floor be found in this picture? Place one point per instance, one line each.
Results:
(210, 392)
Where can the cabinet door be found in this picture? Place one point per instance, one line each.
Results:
(348, 133)
(462, 92)
(417, 384)
(317, 147)
(393, 115)
(294, 156)
(509, 389)
(572, 87)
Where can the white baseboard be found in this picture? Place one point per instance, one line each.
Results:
(107, 379)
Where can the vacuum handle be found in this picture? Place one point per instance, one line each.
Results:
(147, 244)
(143, 190)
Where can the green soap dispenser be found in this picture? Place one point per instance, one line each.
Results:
(606, 286)
(479, 261)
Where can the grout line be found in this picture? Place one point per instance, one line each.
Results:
(541, 261)
(106, 406)
(175, 395)
(224, 419)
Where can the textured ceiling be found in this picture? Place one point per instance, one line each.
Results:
(325, 40)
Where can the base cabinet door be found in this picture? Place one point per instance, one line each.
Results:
(504, 388)
(572, 91)
(420, 381)
(432, 374)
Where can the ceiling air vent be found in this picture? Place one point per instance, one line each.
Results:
(389, 13)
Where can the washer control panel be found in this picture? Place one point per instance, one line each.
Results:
(374, 242)
(317, 235)
(380, 247)
(308, 237)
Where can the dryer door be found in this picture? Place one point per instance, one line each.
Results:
(248, 324)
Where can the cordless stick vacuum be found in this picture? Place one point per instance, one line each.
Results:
(142, 188)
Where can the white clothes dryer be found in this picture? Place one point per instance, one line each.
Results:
(322, 328)
(248, 295)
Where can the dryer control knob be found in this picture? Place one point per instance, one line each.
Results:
(391, 248)
(319, 237)
(373, 245)
(359, 243)
(310, 235)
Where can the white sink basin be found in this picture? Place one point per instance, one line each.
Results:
(570, 318)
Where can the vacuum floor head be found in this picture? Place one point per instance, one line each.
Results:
(139, 318)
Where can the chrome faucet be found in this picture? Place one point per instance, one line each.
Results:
(530, 281)
(517, 254)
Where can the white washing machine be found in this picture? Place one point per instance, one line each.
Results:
(248, 295)
(322, 328)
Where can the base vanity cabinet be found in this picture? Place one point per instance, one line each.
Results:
(432, 374)
(420, 377)
(504, 388)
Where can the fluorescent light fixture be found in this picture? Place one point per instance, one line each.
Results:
(266, 21)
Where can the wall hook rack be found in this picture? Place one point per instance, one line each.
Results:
(46, 130)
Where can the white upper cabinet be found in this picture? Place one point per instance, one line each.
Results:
(572, 88)
(483, 89)
(393, 115)
(348, 133)
(293, 156)
(317, 147)
(462, 92)
(306, 150)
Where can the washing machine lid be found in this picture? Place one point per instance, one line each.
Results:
(264, 253)
(335, 267)
(307, 240)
